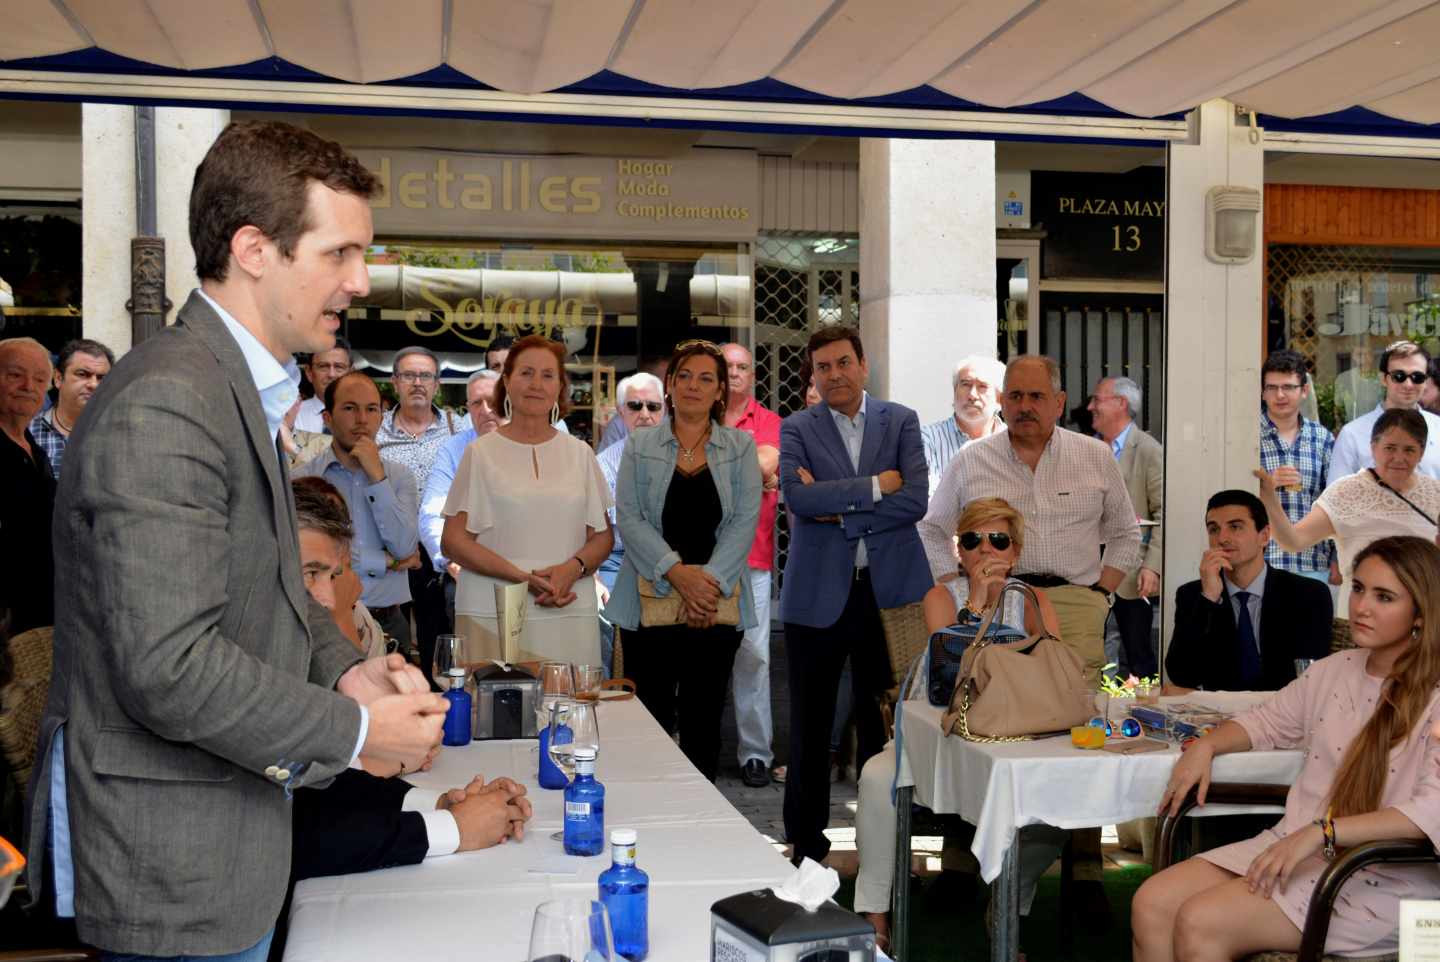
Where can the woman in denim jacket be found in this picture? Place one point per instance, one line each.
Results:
(686, 502)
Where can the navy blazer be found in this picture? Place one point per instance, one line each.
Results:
(820, 565)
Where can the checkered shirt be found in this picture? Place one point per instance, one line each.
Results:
(1310, 454)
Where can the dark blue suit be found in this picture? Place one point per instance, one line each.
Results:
(830, 608)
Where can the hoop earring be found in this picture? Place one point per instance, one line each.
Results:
(554, 413)
(507, 407)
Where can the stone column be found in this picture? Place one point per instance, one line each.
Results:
(107, 220)
(1213, 339)
(182, 135)
(927, 265)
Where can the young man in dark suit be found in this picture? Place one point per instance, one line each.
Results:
(1241, 626)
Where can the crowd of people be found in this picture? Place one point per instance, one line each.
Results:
(253, 584)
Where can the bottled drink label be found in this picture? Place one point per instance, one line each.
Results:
(577, 809)
(623, 854)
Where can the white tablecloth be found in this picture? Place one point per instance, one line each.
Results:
(1003, 787)
(479, 905)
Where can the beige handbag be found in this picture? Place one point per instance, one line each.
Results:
(656, 612)
(1017, 690)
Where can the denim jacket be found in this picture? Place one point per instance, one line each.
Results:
(646, 469)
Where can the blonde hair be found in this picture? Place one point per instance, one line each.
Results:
(989, 510)
(1405, 693)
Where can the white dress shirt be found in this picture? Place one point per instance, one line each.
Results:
(1073, 502)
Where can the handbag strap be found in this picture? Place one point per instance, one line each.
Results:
(1413, 506)
(962, 683)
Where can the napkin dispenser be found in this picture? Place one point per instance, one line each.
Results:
(505, 703)
(762, 927)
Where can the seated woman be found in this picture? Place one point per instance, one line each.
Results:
(991, 534)
(1365, 717)
(686, 502)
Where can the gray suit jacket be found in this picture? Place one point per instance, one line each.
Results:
(1142, 464)
(190, 663)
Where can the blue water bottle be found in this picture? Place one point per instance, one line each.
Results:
(584, 808)
(625, 892)
(457, 717)
(550, 774)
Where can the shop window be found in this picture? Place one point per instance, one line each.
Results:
(1340, 306)
(40, 254)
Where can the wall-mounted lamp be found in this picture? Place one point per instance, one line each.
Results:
(1230, 216)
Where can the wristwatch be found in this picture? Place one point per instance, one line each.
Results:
(1109, 595)
(584, 570)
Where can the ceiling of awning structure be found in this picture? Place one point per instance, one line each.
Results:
(1141, 58)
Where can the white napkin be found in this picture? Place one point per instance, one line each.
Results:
(810, 886)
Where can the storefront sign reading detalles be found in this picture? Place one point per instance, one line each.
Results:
(701, 195)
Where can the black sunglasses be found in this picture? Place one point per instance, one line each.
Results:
(652, 406)
(999, 540)
(1414, 377)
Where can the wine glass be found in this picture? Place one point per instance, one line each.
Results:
(1302, 665)
(556, 681)
(571, 930)
(449, 659)
(584, 732)
(587, 681)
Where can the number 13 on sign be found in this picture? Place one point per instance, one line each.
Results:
(1129, 240)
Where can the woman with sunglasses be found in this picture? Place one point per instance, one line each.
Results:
(990, 535)
(1391, 498)
(1365, 718)
(686, 503)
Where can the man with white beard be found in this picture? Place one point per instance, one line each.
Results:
(976, 383)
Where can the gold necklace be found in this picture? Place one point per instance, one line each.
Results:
(689, 453)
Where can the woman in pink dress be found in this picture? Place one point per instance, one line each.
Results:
(1372, 771)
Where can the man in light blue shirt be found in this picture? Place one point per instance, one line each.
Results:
(1404, 368)
(384, 507)
(976, 384)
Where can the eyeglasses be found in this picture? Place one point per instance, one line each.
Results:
(999, 540)
(653, 407)
(1414, 377)
(1281, 388)
(415, 377)
(1125, 728)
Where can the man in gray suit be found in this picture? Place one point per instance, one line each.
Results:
(1115, 405)
(196, 683)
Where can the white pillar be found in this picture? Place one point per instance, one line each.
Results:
(107, 220)
(1214, 337)
(182, 136)
(927, 265)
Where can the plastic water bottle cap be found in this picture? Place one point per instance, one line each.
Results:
(622, 836)
(585, 754)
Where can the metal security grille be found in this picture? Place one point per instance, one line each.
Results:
(1093, 336)
(1295, 275)
(802, 282)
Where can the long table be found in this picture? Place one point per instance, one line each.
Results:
(1000, 788)
(478, 905)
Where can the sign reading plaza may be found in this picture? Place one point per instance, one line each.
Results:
(701, 195)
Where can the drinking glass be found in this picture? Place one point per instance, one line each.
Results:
(449, 658)
(580, 717)
(1302, 665)
(571, 930)
(556, 681)
(587, 681)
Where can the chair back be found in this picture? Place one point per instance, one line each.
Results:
(905, 636)
(22, 701)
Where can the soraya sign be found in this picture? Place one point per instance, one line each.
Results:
(701, 195)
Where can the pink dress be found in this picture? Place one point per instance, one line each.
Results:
(1322, 711)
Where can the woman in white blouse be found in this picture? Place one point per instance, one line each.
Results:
(1392, 498)
(528, 506)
